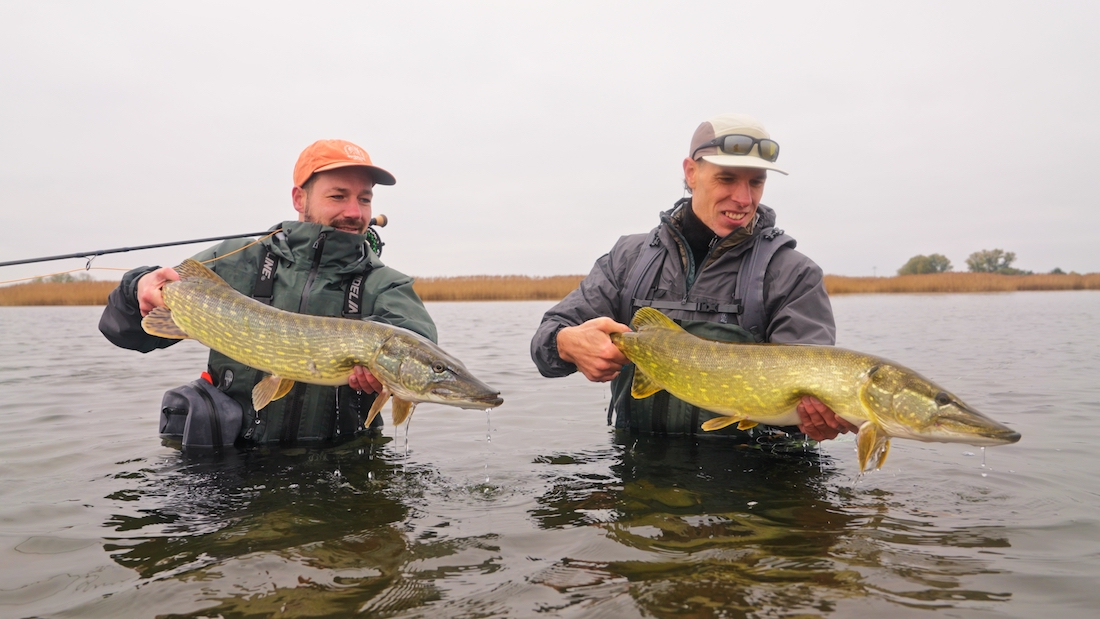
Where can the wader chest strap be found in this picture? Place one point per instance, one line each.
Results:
(351, 405)
(691, 306)
(353, 294)
(633, 295)
(264, 289)
(749, 292)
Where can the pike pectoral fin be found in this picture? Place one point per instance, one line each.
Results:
(379, 402)
(745, 424)
(872, 442)
(401, 410)
(718, 423)
(269, 389)
(159, 323)
(643, 386)
(285, 385)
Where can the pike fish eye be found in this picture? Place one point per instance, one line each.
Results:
(942, 399)
(438, 367)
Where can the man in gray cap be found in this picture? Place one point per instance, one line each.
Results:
(717, 264)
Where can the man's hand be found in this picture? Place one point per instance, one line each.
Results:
(819, 422)
(148, 288)
(588, 346)
(362, 380)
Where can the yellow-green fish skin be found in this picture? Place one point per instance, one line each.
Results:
(764, 382)
(320, 350)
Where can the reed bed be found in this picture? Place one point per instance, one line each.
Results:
(57, 293)
(961, 282)
(523, 288)
(496, 288)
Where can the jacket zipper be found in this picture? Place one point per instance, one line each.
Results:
(318, 250)
(292, 417)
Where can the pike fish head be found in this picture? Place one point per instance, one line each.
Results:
(417, 370)
(907, 405)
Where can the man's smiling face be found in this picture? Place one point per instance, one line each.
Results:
(340, 198)
(724, 198)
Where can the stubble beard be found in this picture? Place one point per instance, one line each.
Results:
(342, 223)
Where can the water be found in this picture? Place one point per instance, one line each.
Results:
(547, 511)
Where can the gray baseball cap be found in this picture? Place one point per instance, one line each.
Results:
(703, 144)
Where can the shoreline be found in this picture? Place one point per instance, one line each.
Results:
(553, 288)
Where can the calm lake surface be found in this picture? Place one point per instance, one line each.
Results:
(542, 510)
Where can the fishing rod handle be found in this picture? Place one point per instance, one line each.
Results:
(379, 220)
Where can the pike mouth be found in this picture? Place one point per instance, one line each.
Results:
(490, 399)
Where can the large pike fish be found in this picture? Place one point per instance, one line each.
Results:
(320, 350)
(750, 384)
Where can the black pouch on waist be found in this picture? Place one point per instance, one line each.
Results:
(199, 415)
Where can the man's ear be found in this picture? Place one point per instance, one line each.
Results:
(690, 167)
(298, 196)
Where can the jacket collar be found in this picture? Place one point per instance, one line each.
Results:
(764, 218)
(341, 253)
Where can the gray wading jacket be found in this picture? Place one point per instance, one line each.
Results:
(314, 266)
(796, 308)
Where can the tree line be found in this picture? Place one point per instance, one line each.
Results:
(984, 261)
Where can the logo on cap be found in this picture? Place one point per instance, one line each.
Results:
(354, 152)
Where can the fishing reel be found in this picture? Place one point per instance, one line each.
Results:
(373, 239)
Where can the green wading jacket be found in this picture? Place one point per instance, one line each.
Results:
(313, 265)
(796, 309)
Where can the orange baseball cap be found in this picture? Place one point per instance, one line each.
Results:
(331, 154)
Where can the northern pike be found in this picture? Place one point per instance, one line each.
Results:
(320, 350)
(749, 384)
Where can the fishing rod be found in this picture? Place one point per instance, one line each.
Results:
(380, 221)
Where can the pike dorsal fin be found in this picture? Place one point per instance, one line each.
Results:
(643, 386)
(159, 323)
(649, 318)
(190, 269)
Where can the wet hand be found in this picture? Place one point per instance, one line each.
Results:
(588, 346)
(819, 422)
(362, 380)
(148, 288)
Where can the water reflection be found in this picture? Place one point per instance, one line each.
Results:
(302, 532)
(747, 530)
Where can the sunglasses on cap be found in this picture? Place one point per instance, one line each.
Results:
(737, 144)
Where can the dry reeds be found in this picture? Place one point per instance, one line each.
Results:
(961, 282)
(523, 288)
(57, 293)
(496, 288)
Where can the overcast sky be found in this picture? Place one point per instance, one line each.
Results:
(526, 136)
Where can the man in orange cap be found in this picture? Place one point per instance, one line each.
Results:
(326, 263)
